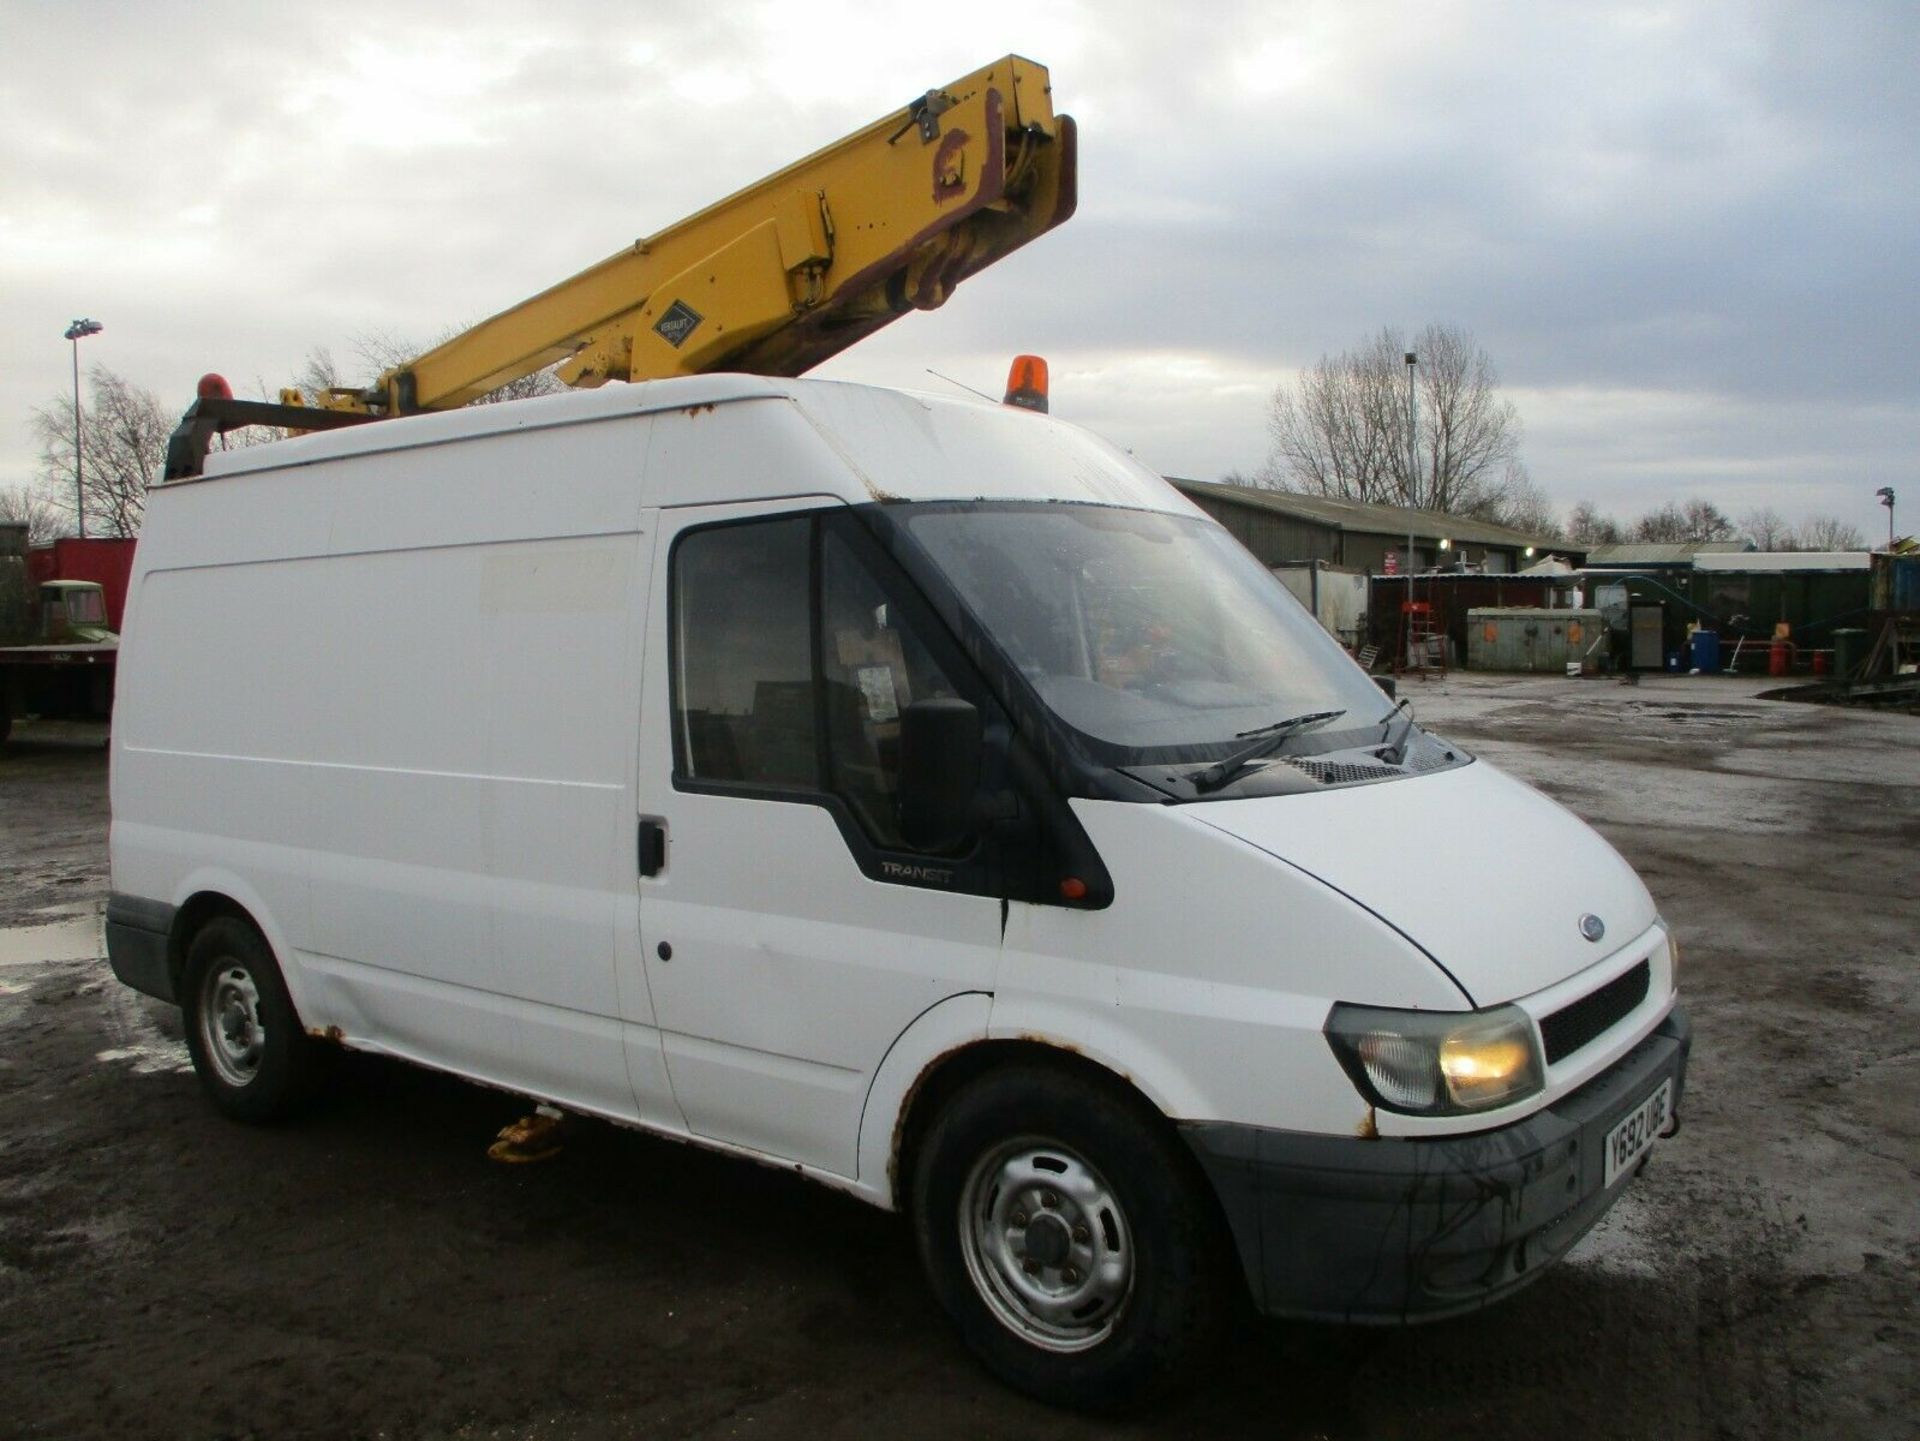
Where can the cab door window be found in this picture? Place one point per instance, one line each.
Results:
(874, 666)
(797, 648)
(744, 675)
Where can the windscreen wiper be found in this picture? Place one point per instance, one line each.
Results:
(1272, 737)
(1395, 752)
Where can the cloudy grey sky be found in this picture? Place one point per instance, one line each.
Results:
(1686, 233)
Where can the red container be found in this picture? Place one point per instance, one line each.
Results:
(1819, 662)
(1777, 658)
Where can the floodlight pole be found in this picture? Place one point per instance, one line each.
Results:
(1413, 477)
(77, 332)
(1885, 493)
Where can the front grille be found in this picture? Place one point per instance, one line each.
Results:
(1571, 1027)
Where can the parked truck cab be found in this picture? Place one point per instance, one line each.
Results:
(907, 791)
(57, 643)
(73, 610)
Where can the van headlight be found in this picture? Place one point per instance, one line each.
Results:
(1437, 1063)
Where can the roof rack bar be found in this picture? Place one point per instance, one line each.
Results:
(208, 417)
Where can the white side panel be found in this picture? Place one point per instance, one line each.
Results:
(209, 775)
(470, 827)
(415, 673)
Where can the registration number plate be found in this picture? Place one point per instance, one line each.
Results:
(1633, 1137)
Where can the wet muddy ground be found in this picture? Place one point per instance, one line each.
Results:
(367, 1272)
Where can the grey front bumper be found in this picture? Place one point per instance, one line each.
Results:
(1334, 1228)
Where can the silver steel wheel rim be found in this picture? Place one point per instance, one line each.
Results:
(1046, 1243)
(230, 1023)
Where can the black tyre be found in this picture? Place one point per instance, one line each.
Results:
(247, 1045)
(1070, 1238)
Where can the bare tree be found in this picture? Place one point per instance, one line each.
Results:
(1706, 521)
(1588, 526)
(381, 351)
(1341, 430)
(1520, 505)
(28, 505)
(1694, 522)
(123, 445)
(1666, 524)
(1827, 532)
(1767, 528)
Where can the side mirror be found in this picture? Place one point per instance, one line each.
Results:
(1387, 684)
(940, 751)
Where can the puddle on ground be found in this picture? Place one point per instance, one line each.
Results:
(140, 1039)
(79, 939)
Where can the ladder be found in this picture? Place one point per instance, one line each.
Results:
(1425, 650)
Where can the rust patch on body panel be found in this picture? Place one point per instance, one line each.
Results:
(898, 1146)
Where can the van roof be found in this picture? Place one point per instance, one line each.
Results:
(897, 445)
(437, 427)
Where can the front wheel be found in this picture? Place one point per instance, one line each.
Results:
(1069, 1237)
(253, 1060)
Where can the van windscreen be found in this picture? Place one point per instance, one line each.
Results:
(1152, 634)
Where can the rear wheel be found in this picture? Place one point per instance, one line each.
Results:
(252, 1058)
(1067, 1234)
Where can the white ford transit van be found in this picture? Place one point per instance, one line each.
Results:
(906, 790)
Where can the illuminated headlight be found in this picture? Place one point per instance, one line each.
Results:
(1437, 1063)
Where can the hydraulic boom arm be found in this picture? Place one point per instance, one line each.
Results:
(794, 268)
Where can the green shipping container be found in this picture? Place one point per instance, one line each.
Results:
(1514, 638)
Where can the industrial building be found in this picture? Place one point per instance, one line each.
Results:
(1281, 528)
(1660, 555)
(1742, 597)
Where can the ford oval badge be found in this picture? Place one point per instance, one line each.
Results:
(1592, 927)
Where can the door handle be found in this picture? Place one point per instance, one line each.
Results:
(653, 845)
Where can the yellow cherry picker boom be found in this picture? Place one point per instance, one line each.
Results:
(770, 281)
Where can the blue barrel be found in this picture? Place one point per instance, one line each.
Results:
(1706, 651)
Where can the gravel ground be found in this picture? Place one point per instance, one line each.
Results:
(366, 1272)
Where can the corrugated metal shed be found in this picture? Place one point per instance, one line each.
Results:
(1355, 515)
(1737, 597)
(1279, 526)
